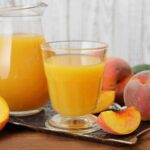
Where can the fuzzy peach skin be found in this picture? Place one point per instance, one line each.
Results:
(137, 93)
(116, 75)
(120, 123)
(4, 113)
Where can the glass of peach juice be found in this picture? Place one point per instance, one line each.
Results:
(74, 72)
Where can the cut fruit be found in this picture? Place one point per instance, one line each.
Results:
(120, 123)
(106, 99)
(4, 113)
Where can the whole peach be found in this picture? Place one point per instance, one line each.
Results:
(116, 75)
(137, 93)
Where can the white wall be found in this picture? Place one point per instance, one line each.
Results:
(123, 24)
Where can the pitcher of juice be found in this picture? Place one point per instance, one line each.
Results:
(22, 79)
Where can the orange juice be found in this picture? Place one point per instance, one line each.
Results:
(22, 79)
(73, 82)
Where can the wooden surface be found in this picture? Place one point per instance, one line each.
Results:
(18, 138)
(123, 24)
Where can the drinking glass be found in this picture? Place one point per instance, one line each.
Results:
(74, 72)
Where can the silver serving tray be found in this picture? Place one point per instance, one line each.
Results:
(37, 122)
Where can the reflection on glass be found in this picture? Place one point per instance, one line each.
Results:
(74, 78)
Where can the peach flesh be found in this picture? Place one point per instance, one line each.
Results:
(4, 113)
(105, 100)
(120, 123)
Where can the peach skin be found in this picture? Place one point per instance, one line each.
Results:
(137, 93)
(116, 75)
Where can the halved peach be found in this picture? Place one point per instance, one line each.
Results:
(4, 113)
(106, 99)
(120, 123)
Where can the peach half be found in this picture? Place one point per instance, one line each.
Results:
(4, 113)
(120, 123)
(105, 100)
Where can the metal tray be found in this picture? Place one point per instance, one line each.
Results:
(37, 122)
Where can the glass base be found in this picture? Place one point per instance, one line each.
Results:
(26, 113)
(74, 125)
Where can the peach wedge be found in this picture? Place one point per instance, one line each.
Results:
(4, 113)
(106, 99)
(120, 123)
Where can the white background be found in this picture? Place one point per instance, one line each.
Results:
(123, 24)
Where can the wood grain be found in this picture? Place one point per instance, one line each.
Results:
(146, 31)
(55, 20)
(135, 16)
(16, 138)
(123, 24)
(120, 41)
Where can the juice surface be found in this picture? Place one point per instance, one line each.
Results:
(73, 82)
(22, 80)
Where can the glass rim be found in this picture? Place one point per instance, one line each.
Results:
(4, 10)
(102, 45)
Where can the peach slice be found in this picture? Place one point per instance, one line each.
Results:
(106, 99)
(120, 123)
(4, 113)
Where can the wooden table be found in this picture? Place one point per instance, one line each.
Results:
(19, 138)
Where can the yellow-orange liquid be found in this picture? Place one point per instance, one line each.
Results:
(73, 82)
(22, 80)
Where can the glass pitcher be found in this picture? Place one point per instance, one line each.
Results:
(22, 79)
